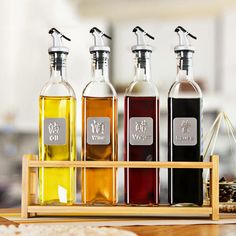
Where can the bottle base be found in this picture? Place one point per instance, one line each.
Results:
(98, 203)
(142, 204)
(56, 203)
(185, 204)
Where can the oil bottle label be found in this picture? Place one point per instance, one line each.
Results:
(98, 130)
(185, 131)
(54, 131)
(141, 131)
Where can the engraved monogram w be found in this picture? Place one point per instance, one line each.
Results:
(97, 127)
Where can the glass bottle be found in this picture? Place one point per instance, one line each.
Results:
(57, 129)
(141, 124)
(99, 128)
(185, 186)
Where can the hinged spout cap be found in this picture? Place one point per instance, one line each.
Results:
(58, 46)
(141, 40)
(184, 43)
(98, 40)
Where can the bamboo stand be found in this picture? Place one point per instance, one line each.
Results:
(29, 207)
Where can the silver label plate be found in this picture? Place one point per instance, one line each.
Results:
(141, 131)
(185, 131)
(55, 131)
(98, 130)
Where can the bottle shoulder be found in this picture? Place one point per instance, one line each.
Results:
(142, 88)
(99, 89)
(184, 89)
(59, 88)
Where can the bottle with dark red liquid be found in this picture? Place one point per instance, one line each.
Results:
(141, 121)
(185, 186)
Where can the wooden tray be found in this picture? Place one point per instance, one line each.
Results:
(29, 207)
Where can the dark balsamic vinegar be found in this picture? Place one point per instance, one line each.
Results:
(142, 185)
(185, 185)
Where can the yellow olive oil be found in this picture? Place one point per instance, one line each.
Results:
(57, 142)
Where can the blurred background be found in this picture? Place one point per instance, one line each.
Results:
(24, 67)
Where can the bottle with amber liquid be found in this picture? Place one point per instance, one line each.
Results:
(141, 127)
(185, 127)
(57, 130)
(99, 128)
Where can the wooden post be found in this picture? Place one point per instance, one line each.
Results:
(29, 184)
(25, 187)
(33, 182)
(214, 187)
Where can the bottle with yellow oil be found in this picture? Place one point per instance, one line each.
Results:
(57, 130)
(99, 128)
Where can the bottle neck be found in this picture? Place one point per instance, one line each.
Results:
(185, 65)
(58, 66)
(142, 65)
(100, 66)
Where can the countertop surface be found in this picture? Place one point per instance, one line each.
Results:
(174, 230)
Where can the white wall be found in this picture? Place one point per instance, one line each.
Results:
(228, 63)
(24, 61)
(163, 58)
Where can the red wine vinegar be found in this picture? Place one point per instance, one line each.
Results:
(141, 142)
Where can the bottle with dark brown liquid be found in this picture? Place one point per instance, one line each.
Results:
(141, 131)
(185, 186)
(99, 128)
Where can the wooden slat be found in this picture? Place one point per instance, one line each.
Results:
(130, 164)
(33, 183)
(25, 186)
(118, 210)
(214, 179)
(27, 196)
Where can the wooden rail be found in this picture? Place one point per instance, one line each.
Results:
(122, 164)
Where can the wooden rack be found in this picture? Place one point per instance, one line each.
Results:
(29, 206)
